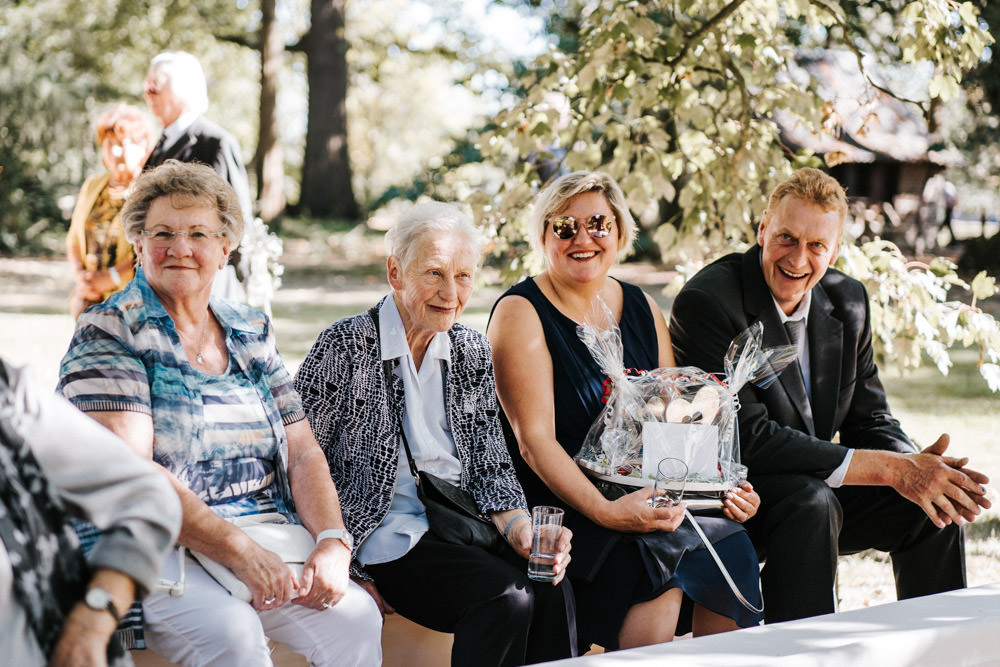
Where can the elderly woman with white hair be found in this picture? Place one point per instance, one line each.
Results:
(406, 375)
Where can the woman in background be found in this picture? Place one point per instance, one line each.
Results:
(101, 256)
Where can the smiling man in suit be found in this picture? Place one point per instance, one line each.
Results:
(835, 472)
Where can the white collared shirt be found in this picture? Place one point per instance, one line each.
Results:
(173, 132)
(801, 312)
(425, 423)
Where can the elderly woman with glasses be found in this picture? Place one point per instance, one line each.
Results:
(196, 384)
(636, 569)
(407, 372)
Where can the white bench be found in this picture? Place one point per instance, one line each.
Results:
(954, 629)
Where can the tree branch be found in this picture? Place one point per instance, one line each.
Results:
(696, 36)
(924, 109)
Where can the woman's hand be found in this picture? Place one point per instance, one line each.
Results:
(84, 639)
(741, 502)
(632, 514)
(325, 575)
(269, 579)
(85, 285)
(520, 538)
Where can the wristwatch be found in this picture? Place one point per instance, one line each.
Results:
(341, 534)
(99, 599)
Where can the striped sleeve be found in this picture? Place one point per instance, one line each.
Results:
(280, 380)
(102, 371)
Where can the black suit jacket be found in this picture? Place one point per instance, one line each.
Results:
(781, 431)
(206, 142)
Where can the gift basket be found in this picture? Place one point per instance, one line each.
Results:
(681, 413)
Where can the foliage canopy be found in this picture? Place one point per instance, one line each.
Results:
(679, 101)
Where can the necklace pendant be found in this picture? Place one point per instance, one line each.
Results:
(200, 359)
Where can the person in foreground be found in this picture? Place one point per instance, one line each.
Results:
(443, 401)
(101, 256)
(871, 489)
(633, 565)
(197, 385)
(56, 608)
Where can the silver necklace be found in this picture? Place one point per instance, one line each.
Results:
(200, 357)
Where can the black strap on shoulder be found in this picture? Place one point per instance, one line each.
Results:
(387, 369)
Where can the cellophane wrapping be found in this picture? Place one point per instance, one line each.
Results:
(682, 412)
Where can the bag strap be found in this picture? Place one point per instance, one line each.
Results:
(722, 567)
(387, 369)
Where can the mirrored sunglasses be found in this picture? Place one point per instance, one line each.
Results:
(566, 226)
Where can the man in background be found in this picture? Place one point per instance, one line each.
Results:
(177, 95)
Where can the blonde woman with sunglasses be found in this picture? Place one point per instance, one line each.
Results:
(640, 574)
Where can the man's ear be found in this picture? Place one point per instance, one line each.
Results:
(761, 228)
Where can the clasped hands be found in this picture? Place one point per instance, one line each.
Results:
(942, 486)
(272, 583)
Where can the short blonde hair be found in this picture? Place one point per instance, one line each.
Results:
(557, 195)
(186, 184)
(432, 218)
(813, 186)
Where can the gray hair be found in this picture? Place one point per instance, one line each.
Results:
(186, 184)
(187, 78)
(432, 218)
(557, 195)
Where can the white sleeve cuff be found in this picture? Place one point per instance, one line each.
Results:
(836, 478)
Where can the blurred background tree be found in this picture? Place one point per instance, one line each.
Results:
(481, 100)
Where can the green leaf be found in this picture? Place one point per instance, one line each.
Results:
(983, 286)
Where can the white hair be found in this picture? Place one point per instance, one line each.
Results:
(187, 78)
(431, 218)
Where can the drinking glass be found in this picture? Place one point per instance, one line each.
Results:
(668, 483)
(546, 522)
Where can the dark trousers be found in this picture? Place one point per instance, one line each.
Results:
(498, 615)
(803, 525)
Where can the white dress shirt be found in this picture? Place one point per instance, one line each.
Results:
(801, 312)
(425, 422)
(173, 132)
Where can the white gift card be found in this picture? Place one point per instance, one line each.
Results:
(695, 444)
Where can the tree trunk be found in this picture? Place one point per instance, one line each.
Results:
(269, 159)
(326, 169)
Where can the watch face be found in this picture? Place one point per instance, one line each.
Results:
(98, 598)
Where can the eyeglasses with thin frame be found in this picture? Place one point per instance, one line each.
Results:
(598, 226)
(163, 238)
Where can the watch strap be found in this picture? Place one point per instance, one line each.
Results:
(341, 534)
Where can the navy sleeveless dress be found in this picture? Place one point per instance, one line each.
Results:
(612, 571)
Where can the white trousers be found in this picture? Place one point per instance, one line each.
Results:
(208, 626)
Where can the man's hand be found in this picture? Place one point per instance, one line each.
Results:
(942, 486)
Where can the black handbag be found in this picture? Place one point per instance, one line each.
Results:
(452, 513)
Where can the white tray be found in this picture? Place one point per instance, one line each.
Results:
(639, 482)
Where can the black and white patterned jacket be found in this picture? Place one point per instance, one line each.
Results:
(343, 390)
